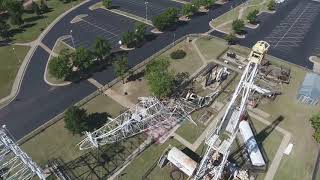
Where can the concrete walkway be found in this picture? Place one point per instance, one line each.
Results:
(123, 101)
(46, 48)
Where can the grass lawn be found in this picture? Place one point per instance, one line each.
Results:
(224, 22)
(35, 24)
(269, 140)
(57, 142)
(147, 161)
(299, 164)
(60, 45)
(10, 62)
(211, 48)
(190, 63)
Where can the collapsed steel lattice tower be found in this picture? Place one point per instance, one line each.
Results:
(14, 163)
(148, 114)
(219, 140)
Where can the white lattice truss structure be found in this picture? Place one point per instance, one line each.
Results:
(148, 114)
(14, 163)
(219, 140)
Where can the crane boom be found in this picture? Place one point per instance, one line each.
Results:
(219, 140)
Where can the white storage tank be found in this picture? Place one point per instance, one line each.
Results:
(251, 144)
(182, 161)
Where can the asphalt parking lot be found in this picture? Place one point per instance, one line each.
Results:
(293, 31)
(101, 23)
(142, 7)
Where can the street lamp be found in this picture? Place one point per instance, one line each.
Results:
(72, 39)
(174, 38)
(146, 3)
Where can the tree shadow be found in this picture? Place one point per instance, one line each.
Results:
(97, 120)
(136, 76)
(33, 18)
(150, 37)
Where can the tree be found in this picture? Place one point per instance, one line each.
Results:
(230, 38)
(197, 3)
(188, 9)
(208, 3)
(140, 30)
(166, 19)
(159, 79)
(271, 5)
(82, 59)
(101, 48)
(107, 3)
(60, 67)
(121, 66)
(129, 39)
(4, 29)
(36, 8)
(43, 6)
(76, 120)
(315, 122)
(3, 5)
(238, 26)
(15, 11)
(252, 16)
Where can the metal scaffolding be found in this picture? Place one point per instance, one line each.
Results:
(149, 113)
(14, 163)
(219, 140)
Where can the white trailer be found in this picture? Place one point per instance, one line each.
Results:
(251, 144)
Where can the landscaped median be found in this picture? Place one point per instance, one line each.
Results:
(224, 23)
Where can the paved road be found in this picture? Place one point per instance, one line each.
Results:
(293, 31)
(38, 102)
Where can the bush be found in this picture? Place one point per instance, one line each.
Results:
(230, 38)
(107, 3)
(315, 122)
(252, 16)
(178, 54)
(272, 5)
(238, 26)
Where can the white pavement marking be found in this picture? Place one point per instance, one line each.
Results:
(99, 27)
(292, 25)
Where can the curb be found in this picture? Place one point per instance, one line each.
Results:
(23, 67)
(65, 83)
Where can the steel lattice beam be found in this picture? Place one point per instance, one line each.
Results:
(229, 124)
(148, 113)
(14, 163)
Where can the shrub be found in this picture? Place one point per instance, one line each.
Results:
(272, 5)
(238, 26)
(178, 54)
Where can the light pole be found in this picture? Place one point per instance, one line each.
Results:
(72, 39)
(146, 3)
(174, 38)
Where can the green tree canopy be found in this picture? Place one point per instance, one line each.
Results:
(315, 122)
(4, 29)
(140, 31)
(129, 39)
(252, 16)
(160, 80)
(60, 67)
(15, 11)
(36, 8)
(76, 120)
(188, 9)
(238, 26)
(166, 19)
(121, 66)
(82, 59)
(101, 48)
(107, 3)
(230, 38)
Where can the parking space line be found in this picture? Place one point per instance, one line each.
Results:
(292, 25)
(100, 28)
